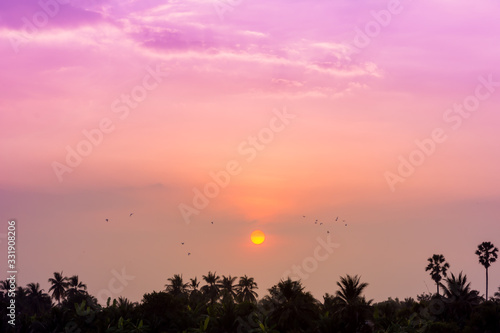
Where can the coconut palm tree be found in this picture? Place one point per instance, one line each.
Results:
(176, 286)
(59, 286)
(351, 307)
(350, 289)
(245, 288)
(76, 287)
(211, 289)
(38, 301)
(438, 267)
(194, 284)
(227, 287)
(290, 307)
(487, 253)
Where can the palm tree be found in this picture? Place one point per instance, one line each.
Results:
(125, 307)
(227, 287)
(497, 295)
(211, 289)
(4, 287)
(291, 308)
(38, 301)
(245, 288)
(75, 286)
(59, 286)
(350, 289)
(349, 306)
(176, 286)
(194, 284)
(460, 297)
(487, 253)
(438, 267)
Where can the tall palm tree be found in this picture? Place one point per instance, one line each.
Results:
(245, 288)
(211, 289)
(438, 267)
(176, 286)
(350, 289)
(59, 286)
(228, 289)
(76, 287)
(487, 253)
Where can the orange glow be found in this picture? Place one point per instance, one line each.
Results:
(257, 237)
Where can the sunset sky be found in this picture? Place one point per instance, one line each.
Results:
(250, 115)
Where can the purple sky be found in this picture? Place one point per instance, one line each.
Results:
(384, 113)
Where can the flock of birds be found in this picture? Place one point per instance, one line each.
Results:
(303, 216)
(321, 223)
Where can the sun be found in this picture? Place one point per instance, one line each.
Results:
(257, 237)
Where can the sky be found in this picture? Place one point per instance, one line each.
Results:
(266, 115)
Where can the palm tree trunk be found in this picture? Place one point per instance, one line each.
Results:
(486, 284)
(437, 285)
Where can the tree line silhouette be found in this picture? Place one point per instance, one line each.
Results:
(231, 304)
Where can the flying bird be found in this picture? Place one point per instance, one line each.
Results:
(131, 214)
(182, 243)
(189, 253)
(328, 231)
(337, 218)
(107, 220)
(212, 222)
(321, 223)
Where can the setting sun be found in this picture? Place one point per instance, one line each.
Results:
(257, 237)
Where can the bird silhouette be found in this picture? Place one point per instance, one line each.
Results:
(337, 218)
(107, 220)
(346, 224)
(328, 231)
(189, 253)
(182, 243)
(131, 214)
(321, 223)
(212, 222)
